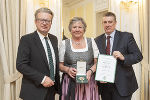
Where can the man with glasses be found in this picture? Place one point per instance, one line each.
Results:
(37, 60)
(123, 47)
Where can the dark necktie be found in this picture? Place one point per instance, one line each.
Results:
(108, 45)
(51, 65)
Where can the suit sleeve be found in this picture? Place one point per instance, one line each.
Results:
(133, 54)
(23, 62)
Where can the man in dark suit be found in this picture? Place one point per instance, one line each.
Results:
(123, 47)
(37, 60)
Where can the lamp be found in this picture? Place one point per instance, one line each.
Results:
(44, 3)
(128, 3)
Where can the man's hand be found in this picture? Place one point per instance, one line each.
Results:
(118, 55)
(48, 82)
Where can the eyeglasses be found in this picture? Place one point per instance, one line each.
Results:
(44, 21)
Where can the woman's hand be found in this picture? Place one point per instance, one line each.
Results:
(72, 72)
(69, 70)
(88, 74)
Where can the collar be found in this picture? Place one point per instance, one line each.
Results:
(41, 35)
(112, 34)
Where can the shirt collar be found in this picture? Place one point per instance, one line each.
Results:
(42, 36)
(112, 34)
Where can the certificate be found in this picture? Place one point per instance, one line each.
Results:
(81, 72)
(106, 68)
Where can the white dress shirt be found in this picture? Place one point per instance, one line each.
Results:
(45, 48)
(111, 40)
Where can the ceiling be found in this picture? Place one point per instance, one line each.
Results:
(70, 2)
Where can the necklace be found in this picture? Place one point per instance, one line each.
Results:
(77, 43)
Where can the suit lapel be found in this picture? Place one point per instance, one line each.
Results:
(53, 43)
(40, 47)
(116, 39)
(103, 45)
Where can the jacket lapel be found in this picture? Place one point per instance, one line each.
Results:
(103, 51)
(40, 47)
(115, 43)
(53, 43)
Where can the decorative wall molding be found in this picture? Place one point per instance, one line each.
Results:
(71, 2)
(101, 5)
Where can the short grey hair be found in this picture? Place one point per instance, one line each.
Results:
(45, 10)
(76, 19)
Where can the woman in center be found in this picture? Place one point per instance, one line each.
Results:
(76, 49)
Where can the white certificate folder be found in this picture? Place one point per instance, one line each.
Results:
(106, 68)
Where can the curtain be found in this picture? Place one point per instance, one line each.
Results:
(128, 20)
(1, 73)
(11, 26)
(144, 18)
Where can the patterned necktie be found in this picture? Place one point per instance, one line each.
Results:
(108, 45)
(51, 65)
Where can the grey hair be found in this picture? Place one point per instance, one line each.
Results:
(45, 10)
(76, 19)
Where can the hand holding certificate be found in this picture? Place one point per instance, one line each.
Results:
(106, 68)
